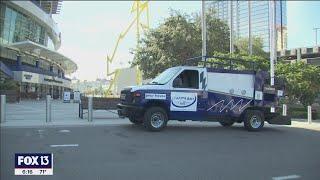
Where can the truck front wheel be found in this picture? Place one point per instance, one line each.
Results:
(155, 119)
(253, 120)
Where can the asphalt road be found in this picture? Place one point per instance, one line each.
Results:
(180, 152)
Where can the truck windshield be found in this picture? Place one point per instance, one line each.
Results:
(165, 76)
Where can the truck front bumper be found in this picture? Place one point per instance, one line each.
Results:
(125, 110)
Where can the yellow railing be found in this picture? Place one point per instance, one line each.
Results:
(137, 8)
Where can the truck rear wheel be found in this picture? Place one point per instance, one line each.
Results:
(155, 119)
(253, 120)
(135, 120)
(226, 123)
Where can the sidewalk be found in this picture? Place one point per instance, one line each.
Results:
(33, 113)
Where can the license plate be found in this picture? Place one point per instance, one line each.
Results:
(123, 96)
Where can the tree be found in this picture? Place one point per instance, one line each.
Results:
(177, 39)
(242, 47)
(302, 81)
(217, 33)
(8, 84)
(243, 61)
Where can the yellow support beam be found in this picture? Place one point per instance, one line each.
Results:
(115, 77)
(138, 8)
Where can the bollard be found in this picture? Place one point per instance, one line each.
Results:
(309, 115)
(272, 109)
(3, 108)
(48, 108)
(284, 110)
(90, 109)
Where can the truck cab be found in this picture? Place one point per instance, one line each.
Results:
(198, 93)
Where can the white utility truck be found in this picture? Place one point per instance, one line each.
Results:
(214, 91)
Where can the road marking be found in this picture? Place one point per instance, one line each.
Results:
(64, 145)
(64, 131)
(286, 177)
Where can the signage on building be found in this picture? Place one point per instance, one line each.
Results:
(35, 78)
(29, 77)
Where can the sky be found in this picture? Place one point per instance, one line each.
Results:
(90, 30)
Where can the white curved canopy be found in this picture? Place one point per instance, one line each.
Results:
(45, 53)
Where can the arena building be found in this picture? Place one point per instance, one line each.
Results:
(29, 40)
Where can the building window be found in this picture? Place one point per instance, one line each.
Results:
(17, 27)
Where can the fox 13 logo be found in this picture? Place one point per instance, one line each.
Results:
(33, 164)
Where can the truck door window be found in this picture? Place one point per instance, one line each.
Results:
(187, 79)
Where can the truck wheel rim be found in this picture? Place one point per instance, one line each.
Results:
(255, 122)
(157, 119)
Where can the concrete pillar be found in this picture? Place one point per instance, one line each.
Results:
(37, 64)
(43, 90)
(59, 92)
(52, 91)
(62, 92)
(3, 109)
(48, 108)
(46, 89)
(38, 91)
(19, 62)
(90, 109)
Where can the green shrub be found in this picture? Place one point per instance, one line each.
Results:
(9, 85)
(301, 113)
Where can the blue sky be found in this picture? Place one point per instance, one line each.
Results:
(303, 16)
(90, 29)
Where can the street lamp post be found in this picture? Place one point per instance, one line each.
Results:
(249, 28)
(272, 40)
(316, 34)
(231, 26)
(204, 30)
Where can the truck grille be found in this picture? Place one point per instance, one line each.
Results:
(126, 96)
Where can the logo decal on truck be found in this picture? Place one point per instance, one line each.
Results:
(182, 101)
(154, 96)
(231, 105)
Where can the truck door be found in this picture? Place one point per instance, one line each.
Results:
(188, 95)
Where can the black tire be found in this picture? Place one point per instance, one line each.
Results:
(155, 119)
(135, 120)
(253, 120)
(226, 123)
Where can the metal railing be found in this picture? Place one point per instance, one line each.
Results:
(224, 62)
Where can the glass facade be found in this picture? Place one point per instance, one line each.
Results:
(259, 19)
(17, 27)
(47, 66)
